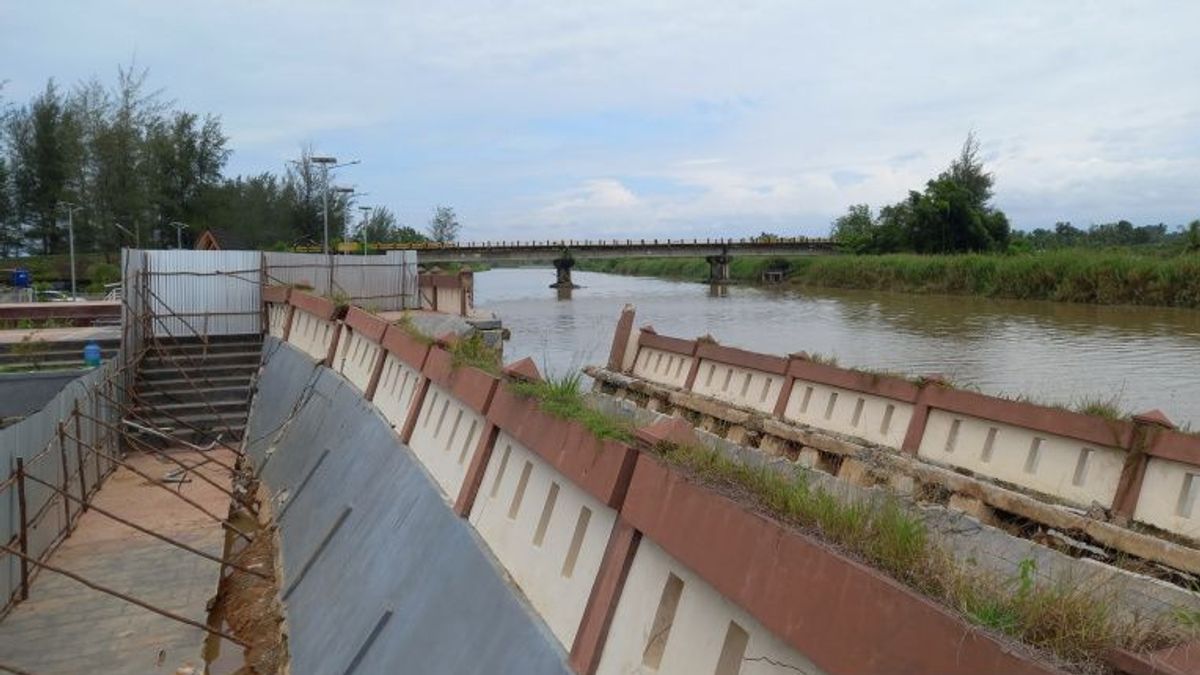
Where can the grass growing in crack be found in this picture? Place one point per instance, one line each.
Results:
(1074, 623)
(563, 397)
(406, 323)
(1101, 407)
(473, 351)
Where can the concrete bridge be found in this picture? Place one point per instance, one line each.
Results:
(563, 253)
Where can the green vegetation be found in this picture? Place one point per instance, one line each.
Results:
(474, 352)
(1075, 623)
(1106, 277)
(953, 214)
(136, 163)
(562, 397)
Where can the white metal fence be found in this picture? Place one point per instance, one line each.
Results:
(199, 293)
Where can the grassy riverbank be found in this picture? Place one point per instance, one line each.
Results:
(1106, 277)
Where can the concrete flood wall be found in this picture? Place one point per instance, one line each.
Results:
(1138, 469)
(437, 510)
(379, 575)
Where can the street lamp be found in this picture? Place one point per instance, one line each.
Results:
(71, 209)
(327, 163)
(137, 238)
(365, 210)
(179, 227)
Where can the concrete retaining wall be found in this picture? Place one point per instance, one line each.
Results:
(379, 575)
(1137, 468)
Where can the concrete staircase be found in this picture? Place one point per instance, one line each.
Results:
(198, 391)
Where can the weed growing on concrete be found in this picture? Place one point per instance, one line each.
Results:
(406, 324)
(563, 397)
(1075, 623)
(1107, 408)
(474, 352)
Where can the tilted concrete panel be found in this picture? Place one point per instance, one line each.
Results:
(379, 575)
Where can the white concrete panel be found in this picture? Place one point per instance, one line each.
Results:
(690, 639)
(1169, 497)
(740, 386)
(871, 418)
(277, 314)
(549, 534)
(311, 335)
(356, 357)
(1077, 472)
(662, 367)
(398, 384)
(445, 439)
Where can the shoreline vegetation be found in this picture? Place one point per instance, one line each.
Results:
(1101, 277)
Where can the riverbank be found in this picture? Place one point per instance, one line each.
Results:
(1069, 275)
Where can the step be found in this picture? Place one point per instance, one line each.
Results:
(156, 395)
(202, 420)
(183, 408)
(232, 434)
(202, 380)
(199, 348)
(199, 375)
(189, 341)
(153, 360)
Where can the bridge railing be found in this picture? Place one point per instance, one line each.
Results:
(355, 247)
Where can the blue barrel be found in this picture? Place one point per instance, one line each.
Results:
(19, 278)
(91, 354)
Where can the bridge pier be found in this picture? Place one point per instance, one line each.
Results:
(562, 272)
(718, 268)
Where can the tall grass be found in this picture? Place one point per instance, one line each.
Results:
(1106, 277)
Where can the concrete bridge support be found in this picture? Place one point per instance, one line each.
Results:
(718, 268)
(562, 272)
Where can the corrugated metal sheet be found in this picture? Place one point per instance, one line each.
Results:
(37, 433)
(385, 282)
(193, 293)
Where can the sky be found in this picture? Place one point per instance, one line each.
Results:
(666, 119)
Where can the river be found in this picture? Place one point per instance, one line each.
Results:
(1138, 357)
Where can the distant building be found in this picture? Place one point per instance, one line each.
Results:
(218, 239)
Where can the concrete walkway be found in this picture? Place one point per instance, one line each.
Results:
(65, 627)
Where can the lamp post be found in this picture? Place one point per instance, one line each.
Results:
(71, 209)
(327, 163)
(179, 227)
(137, 238)
(365, 210)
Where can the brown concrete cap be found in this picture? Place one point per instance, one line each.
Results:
(366, 324)
(469, 385)
(276, 294)
(405, 347)
(322, 308)
(1155, 417)
(670, 430)
(525, 370)
(1181, 659)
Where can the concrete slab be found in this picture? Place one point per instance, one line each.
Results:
(65, 627)
(69, 334)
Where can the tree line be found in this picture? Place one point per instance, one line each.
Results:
(130, 167)
(954, 214)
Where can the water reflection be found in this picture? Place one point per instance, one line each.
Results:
(1143, 357)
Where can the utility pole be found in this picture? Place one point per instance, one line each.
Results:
(365, 210)
(71, 209)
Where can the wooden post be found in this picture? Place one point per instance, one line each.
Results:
(83, 493)
(66, 477)
(23, 537)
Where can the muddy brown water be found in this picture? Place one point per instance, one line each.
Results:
(1138, 357)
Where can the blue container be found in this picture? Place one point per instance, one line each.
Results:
(19, 278)
(91, 354)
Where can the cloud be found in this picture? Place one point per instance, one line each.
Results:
(668, 118)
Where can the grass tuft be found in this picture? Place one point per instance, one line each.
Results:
(473, 351)
(563, 398)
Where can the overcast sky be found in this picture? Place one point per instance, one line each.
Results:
(626, 119)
